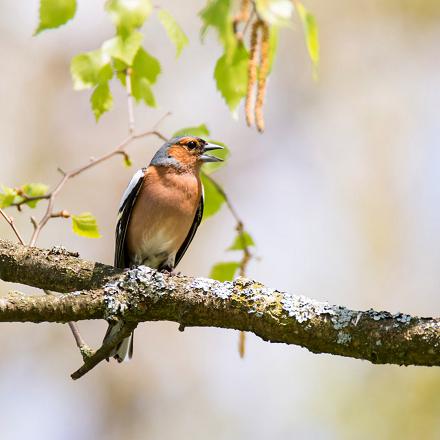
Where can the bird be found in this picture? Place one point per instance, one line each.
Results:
(159, 214)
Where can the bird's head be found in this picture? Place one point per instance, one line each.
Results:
(185, 152)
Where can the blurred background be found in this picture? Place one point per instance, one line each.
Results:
(341, 194)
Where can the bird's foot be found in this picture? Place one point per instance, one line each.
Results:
(170, 271)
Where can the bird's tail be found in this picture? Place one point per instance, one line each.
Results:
(124, 350)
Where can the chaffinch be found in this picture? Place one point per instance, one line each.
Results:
(160, 212)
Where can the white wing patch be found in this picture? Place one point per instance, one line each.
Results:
(133, 182)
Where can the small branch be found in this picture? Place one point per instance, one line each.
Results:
(10, 220)
(104, 351)
(131, 123)
(247, 255)
(84, 349)
(26, 199)
(248, 22)
(244, 15)
(157, 124)
(246, 258)
(39, 225)
(60, 214)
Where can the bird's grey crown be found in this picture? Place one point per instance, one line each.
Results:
(162, 158)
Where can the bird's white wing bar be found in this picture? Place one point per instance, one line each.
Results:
(133, 182)
(127, 203)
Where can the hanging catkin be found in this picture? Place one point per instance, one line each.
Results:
(252, 73)
(245, 10)
(262, 76)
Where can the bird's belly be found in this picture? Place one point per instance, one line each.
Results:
(158, 227)
(157, 246)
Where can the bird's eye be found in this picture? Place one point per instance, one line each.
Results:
(191, 145)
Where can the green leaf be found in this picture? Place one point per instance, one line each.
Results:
(128, 15)
(55, 13)
(141, 90)
(90, 68)
(124, 48)
(85, 225)
(145, 70)
(174, 31)
(213, 195)
(231, 76)
(210, 167)
(34, 190)
(199, 131)
(311, 33)
(101, 100)
(7, 196)
(217, 14)
(275, 12)
(146, 66)
(127, 161)
(241, 241)
(224, 271)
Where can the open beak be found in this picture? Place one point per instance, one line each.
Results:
(206, 157)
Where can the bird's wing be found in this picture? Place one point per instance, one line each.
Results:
(191, 233)
(125, 208)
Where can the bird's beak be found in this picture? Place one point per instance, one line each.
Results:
(206, 157)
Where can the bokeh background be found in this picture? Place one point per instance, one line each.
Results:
(341, 194)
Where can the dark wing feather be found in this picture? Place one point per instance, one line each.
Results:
(191, 233)
(125, 210)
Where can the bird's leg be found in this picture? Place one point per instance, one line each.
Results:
(169, 270)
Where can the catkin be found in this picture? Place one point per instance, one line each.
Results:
(242, 344)
(262, 77)
(245, 10)
(252, 72)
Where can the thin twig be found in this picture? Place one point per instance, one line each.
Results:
(104, 351)
(26, 199)
(156, 125)
(131, 123)
(60, 214)
(10, 220)
(244, 15)
(248, 22)
(247, 255)
(239, 227)
(85, 350)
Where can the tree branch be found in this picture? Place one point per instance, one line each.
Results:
(11, 222)
(142, 294)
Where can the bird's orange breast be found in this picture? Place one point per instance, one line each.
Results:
(162, 215)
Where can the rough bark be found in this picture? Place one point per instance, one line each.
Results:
(142, 294)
